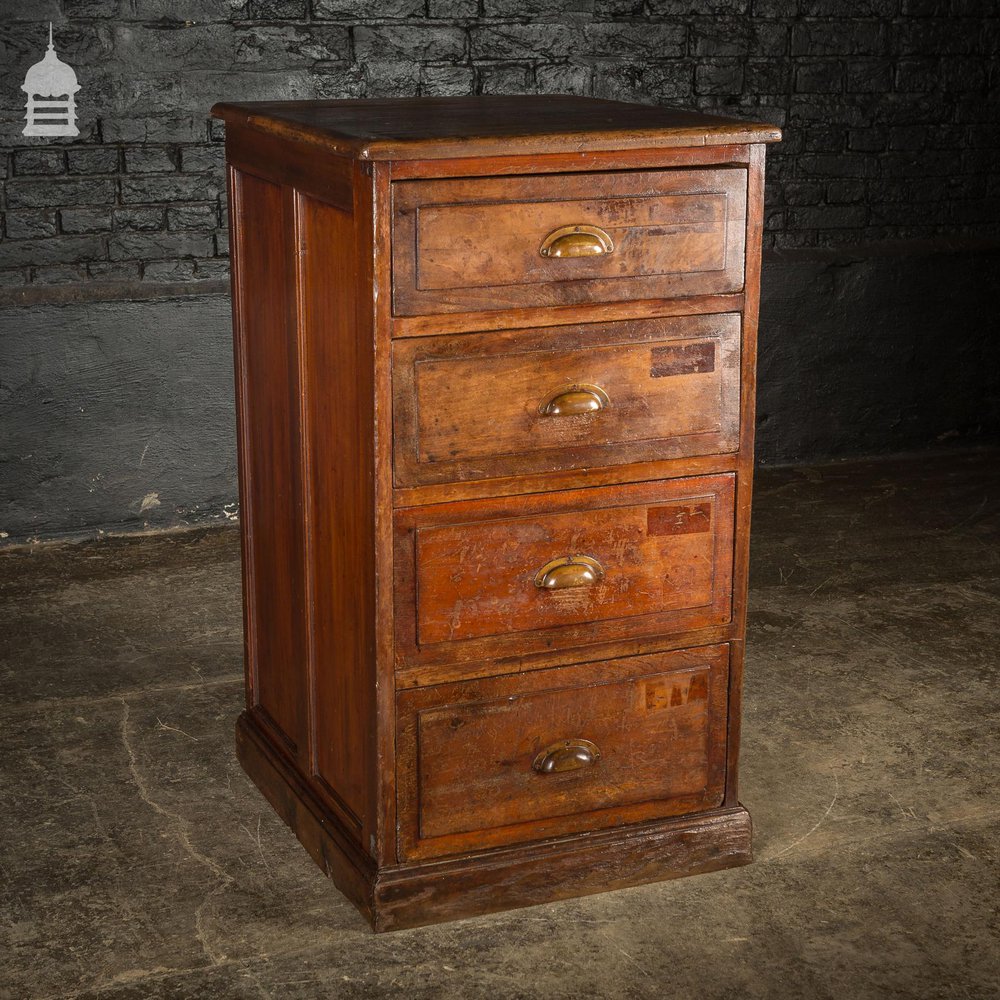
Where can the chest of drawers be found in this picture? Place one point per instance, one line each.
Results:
(495, 386)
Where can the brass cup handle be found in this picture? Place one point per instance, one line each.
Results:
(576, 241)
(566, 755)
(574, 400)
(569, 571)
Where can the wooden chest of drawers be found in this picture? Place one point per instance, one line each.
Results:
(495, 379)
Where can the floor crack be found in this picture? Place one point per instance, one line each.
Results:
(179, 828)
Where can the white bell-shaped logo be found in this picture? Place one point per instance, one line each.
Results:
(51, 88)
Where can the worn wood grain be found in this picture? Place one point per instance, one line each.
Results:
(447, 727)
(432, 128)
(466, 751)
(470, 407)
(465, 572)
(473, 244)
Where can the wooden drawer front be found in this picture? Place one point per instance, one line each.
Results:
(480, 406)
(476, 244)
(647, 739)
(473, 575)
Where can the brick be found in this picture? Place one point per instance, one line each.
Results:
(396, 78)
(53, 193)
(847, 8)
(141, 219)
(155, 128)
(93, 161)
(767, 76)
(359, 10)
(828, 217)
(846, 192)
(202, 158)
(13, 277)
(439, 43)
(711, 37)
(447, 81)
(838, 38)
(721, 77)
(503, 80)
(514, 42)
(54, 250)
(213, 269)
(825, 76)
(33, 162)
(867, 140)
(908, 137)
(634, 41)
(871, 76)
(159, 246)
(564, 79)
(198, 216)
(151, 159)
(168, 270)
(535, 9)
(803, 192)
(273, 10)
(452, 9)
(177, 187)
(837, 165)
(58, 274)
(85, 220)
(28, 225)
(113, 270)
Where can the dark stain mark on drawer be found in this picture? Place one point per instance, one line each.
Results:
(679, 519)
(682, 359)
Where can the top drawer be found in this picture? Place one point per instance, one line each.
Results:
(475, 244)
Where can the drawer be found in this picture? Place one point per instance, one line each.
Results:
(475, 244)
(506, 760)
(516, 574)
(501, 404)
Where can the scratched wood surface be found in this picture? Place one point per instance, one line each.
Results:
(462, 245)
(466, 751)
(471, 407)
(398, 339)
(465, 571)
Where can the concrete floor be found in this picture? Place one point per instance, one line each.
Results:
(138, 862)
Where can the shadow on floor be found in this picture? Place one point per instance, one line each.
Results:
(138, 862)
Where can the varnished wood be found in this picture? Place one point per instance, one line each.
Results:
(466, 751)
(475, 244)
(495, 551)
(473, 406)
(432, 128)
(413, 894)
(553, 316)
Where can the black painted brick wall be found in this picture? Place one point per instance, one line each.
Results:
(890, 107)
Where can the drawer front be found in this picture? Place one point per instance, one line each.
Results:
(503, 404)
(469, 245)
(548, 570)
(506, 760)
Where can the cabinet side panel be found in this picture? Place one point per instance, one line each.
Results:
(270, 470)
(338, 381)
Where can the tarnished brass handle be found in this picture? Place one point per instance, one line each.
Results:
(569, 571)
(576, 241)
(566, 755)
(573, 400)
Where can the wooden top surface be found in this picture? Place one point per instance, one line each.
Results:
(436, 127)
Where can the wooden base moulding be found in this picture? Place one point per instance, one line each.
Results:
(561, 868)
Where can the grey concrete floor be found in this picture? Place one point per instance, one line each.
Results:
(138, 862)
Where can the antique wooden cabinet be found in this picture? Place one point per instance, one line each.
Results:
(495, 378)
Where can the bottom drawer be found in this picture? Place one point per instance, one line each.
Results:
(511, 759)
